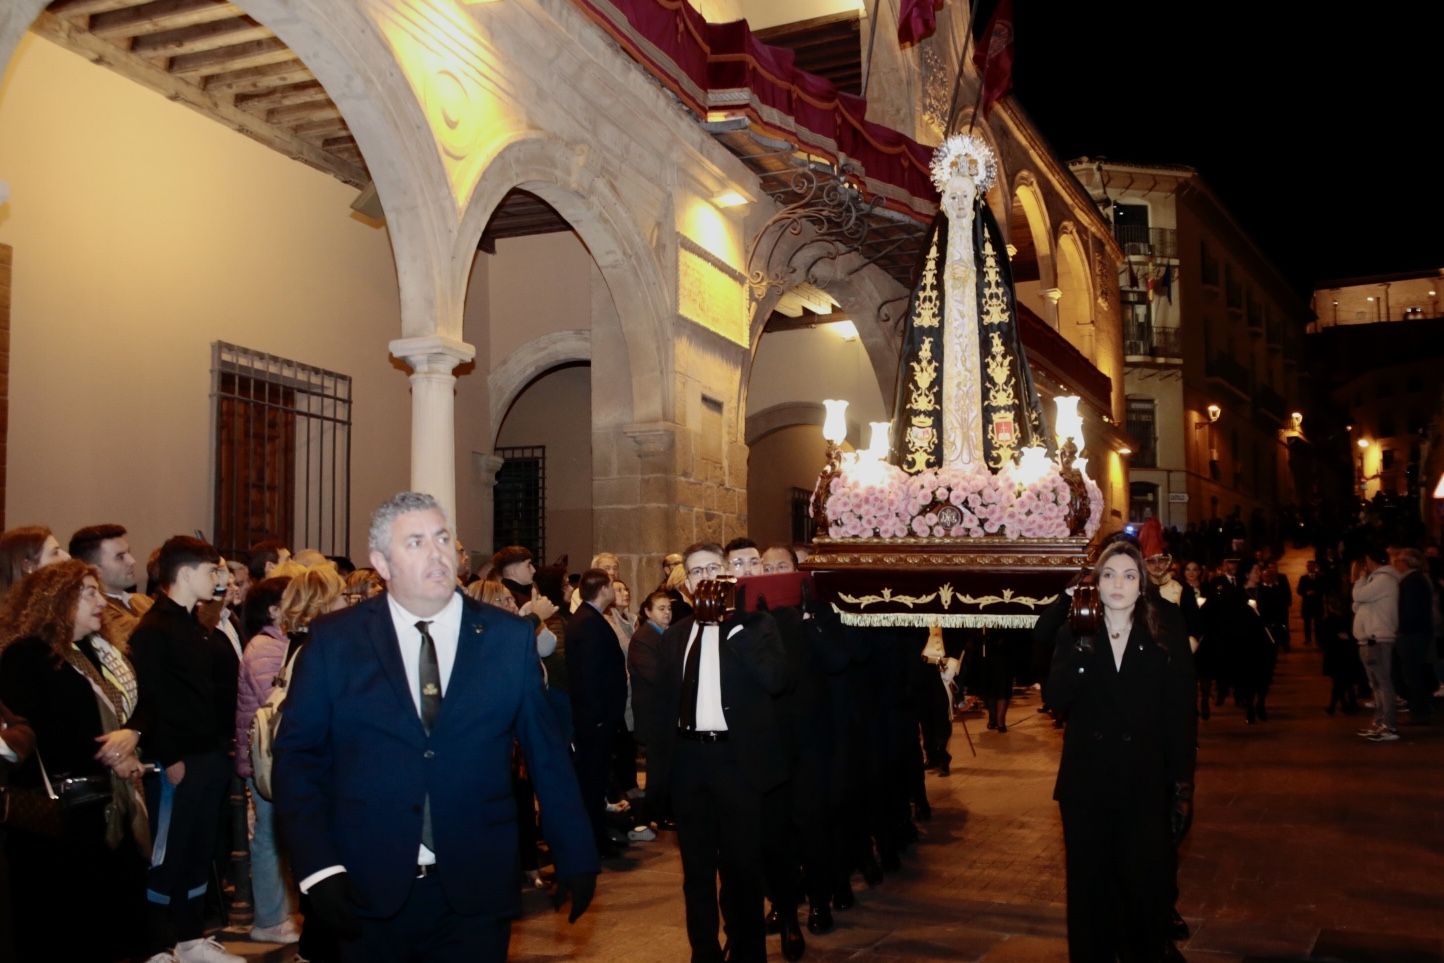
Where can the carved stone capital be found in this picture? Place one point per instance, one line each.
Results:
(653, 438)
(486, 465)
(432, 354)
(1054, 295)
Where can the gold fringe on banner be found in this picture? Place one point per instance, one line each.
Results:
(920, 620)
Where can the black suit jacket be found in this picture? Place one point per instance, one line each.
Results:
(754, 670)
(596, 670)
(642, 656)
(1131, 731)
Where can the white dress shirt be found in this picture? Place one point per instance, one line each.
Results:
(445, 629)
(710, 717)
(6, 752)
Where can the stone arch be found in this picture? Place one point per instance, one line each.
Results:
(791, 414)
(567, 178)
(524, 365)
(1075, 301)
(1028, 198)
(343, 48)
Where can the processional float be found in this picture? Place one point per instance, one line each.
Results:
(964, 510)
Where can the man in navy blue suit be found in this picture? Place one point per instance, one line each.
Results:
(393, 760)
(597, 669)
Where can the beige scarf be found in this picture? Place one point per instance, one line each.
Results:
(115, 694)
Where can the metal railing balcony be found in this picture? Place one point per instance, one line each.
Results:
(1150, 341)
(1155, 241)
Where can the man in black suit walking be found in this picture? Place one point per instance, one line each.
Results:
(597, 669)
(714, 753)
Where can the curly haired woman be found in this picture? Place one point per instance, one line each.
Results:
(77, 690)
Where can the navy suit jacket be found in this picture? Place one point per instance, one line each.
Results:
(597, 671)
(353, 762)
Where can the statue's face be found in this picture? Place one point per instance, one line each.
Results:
(959, 195)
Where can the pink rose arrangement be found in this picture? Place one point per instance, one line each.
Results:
(881, 501)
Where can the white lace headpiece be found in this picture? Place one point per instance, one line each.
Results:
(964, 154)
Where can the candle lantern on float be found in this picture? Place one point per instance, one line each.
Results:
(965, 510)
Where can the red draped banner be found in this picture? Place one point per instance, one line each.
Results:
(917, 20)
(722, 68)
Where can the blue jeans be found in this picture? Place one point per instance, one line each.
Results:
(269, 890)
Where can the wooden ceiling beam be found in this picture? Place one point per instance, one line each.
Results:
(158, 16)
(200, 38)
(283, 96)
(303, 113)
(251, 54)
(147, 74)
(262, 77)
(318, 130)
(84, 8)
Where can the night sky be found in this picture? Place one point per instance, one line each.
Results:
(1318, 130)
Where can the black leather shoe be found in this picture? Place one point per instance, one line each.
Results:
(819, 919)
(871, 871)
(1177, 927)
(945, 770)
(891, 861)
(843, 900)
(774, 921)
(793, 945)
(922, 813)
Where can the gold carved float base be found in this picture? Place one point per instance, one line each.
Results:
(952, 582)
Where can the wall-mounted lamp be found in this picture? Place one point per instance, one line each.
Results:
(729, 198)
(845, 330)
(1297, 418)
(1214, 412)
(1125, 451)
(1362, 443)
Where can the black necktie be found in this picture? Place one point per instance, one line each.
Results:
(429, 672)
(691, 675)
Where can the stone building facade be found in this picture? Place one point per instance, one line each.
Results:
(143, 233)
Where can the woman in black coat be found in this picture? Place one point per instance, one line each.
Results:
(1125, 780)
(79, 894)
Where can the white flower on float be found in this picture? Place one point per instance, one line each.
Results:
(1033, 464)
(1068, 423)
(834, 424)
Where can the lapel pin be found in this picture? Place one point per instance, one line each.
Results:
(477, 628)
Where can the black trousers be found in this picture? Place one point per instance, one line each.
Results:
(719, 831)
(935, 715)
(428, 930)
(1119, 884)
(185, 820)
(593, 760)
(781, 849)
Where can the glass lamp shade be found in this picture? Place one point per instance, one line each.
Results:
(878, 442)
(834, 425)
(1033, 464)
(1068, 423)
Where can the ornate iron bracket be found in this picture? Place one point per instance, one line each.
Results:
(821, 202)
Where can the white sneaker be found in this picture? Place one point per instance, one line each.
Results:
(1385, 735)
(205, 951)
(285, 931)
(1366, 703)
(642, 834)
(1370, 731)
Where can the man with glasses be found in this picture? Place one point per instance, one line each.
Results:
(713, 753)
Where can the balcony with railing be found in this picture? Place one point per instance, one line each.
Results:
(1141, 240)
(1152, 342)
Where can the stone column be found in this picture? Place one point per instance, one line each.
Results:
(433, 360)
(484, 466)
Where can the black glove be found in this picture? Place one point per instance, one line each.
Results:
(1180, 814)
(334, 899)
(1083, 645)
(581, 888)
